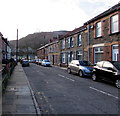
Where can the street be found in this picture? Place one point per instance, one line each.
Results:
(58, 92)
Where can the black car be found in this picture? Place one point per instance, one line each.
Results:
(25, 63)
(108, 71)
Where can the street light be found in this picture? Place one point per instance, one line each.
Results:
(17, 47)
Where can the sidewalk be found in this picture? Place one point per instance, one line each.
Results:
(18, 97)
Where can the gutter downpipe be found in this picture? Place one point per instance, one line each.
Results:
(88, 42)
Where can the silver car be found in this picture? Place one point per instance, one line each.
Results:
(46, 62)
(83, 68)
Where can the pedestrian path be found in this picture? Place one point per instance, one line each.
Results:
(18, 98)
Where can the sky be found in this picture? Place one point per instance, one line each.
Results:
(30, 16)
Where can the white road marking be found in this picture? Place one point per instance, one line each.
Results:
(61, 75)
(66, 77)
(104, 92)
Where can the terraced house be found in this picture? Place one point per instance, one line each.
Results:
(104, 36)
(98, 39)
(5, 48)
(72, 46)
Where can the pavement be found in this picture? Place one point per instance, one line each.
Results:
(18, 97)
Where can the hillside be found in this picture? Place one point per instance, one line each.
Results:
(32, 42)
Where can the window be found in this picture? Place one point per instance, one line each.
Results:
(63, 43)
(69, 58)
(78, 55)
(99, 64)
(71, 42)
(63, 58)
(68, 42)
(107, 65)
(98, 29)
(98, 54)
(79, 40)
(115, 52)
(114, 24)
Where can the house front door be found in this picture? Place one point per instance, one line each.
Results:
(115, 52)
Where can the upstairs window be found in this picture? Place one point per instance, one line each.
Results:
(79, 40)
(98, 29)
(68, 42)
(114, 24)
(63, 44)
(71, 42)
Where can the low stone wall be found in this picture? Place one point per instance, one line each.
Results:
(6, 73)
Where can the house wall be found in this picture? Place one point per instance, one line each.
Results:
(92, 48)
(107, 39)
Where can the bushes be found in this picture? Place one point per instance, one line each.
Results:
(8, 67)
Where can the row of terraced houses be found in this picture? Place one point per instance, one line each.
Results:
(98, 39)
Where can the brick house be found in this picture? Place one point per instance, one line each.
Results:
(72, 46)
(54, 52)
(103, 33)
(41, 52)
(98, 39)
(5, 48)
(51, 52)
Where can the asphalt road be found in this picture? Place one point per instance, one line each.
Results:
(58, 92)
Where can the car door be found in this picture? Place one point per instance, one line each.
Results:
(98, 69)
(71, 66)
(76, 66)
(107, 72)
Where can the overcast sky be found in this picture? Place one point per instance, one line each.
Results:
(31, 16)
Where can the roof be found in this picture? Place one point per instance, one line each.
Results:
(107, 12)
(75, 31)
(1, 34)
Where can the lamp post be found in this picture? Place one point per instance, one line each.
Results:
(17, 47)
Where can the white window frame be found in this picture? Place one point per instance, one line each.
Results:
(98, 29)
(68, 40)
(63, 44)
(115, 52)
(79, 40)
(68, 56)
(115, 23)
(63, 58)
(97, 52)
(79, 53)
(72, 42)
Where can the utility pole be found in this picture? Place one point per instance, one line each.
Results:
(17, 47)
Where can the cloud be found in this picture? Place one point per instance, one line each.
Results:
(47, 15)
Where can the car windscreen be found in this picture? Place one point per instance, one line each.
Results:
(117, 65)
(25, 61)
(85, 63)
(46, 61)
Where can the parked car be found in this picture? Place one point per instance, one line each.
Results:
(36, 61)
(25, 63)
(40, 61)
(83, 68)
(108, 71)
(46, 62)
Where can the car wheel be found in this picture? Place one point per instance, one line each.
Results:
(117, 83)
(94, 77)
(81, 73)
(69, 70)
